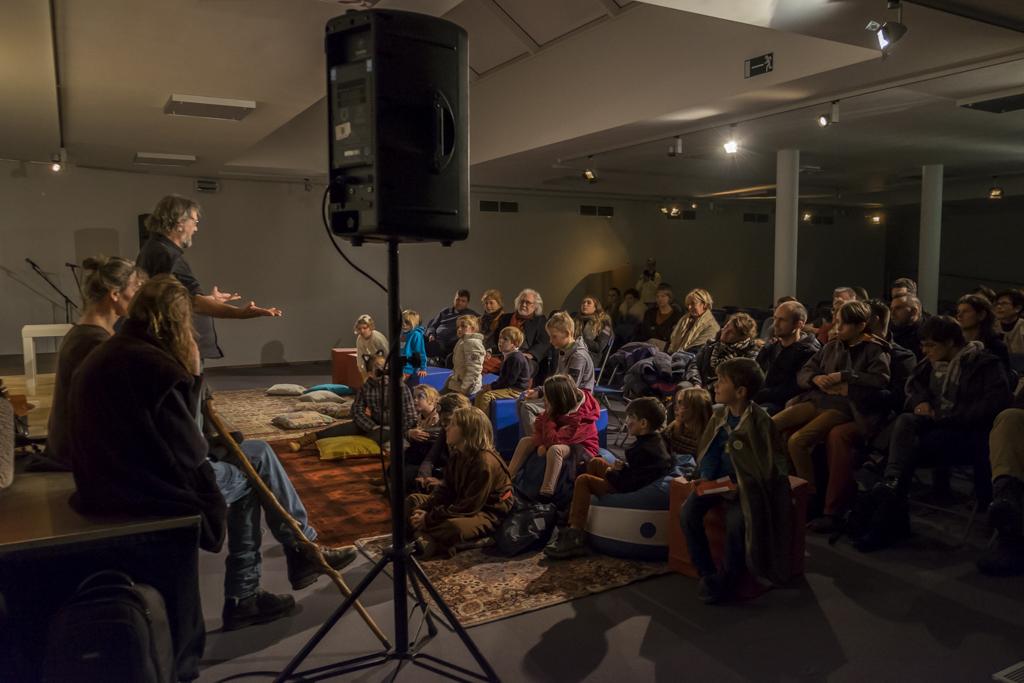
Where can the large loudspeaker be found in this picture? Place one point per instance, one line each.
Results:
(398, 110)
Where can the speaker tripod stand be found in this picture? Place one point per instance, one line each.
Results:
(406, 571)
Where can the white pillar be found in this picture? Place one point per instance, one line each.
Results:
(930, 237)
(787, 208)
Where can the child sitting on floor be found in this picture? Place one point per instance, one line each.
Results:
(369, 342)
(467, 358)
(740, 442)
(692, 407)
(566, 430)
(425, 434)
(475, 495)
(414, 347)
(431, 470)
(646, 461)
(514, 374)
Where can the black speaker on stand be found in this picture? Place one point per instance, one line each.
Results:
(398, 109)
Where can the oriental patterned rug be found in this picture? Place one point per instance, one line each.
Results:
(481, 586)
(337, 494)
(251, 410)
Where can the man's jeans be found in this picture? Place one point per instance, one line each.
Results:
(245, 534)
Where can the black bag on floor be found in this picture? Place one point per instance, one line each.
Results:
(112, 629)
(528, 525)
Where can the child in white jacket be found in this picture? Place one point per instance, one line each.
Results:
(467, 358)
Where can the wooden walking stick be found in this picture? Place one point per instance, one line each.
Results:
(272, 501)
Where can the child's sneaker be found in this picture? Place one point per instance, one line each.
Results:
(567, 543)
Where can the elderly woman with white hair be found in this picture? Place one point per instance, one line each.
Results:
(528, 317)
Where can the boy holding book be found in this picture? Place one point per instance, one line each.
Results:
(740, 451)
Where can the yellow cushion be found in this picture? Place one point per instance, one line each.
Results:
(341, 447)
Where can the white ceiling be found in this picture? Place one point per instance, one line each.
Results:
(121, 59)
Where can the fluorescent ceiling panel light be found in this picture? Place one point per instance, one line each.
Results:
(209, 107)
(159, 159)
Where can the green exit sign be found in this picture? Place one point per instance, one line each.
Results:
(758, 66)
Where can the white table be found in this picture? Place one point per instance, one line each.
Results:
(29, 334)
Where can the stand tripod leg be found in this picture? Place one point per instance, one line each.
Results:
(287, 672)
(453, 621)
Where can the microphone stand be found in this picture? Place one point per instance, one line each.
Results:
(68, 303)
(74, 273)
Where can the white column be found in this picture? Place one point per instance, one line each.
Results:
(930, 237)
(787, 208)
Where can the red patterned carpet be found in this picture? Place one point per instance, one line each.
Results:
(337, 494)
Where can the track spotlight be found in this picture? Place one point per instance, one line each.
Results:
(693, 205)
(995, 192)
(831, 117)
(59, 160)
(889, 32)
(676, 149)
(807, 216)
(590, 175)
(876, 219)
(731, 145)
(675, 211)
(664, 210)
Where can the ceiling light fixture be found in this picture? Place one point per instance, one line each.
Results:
(876, 219)
(995, 192)
(590, 173)
(59, 160)
(731, 145)
(693, 205)
(831, 117)
(889, 32)
(676, 149)
(808, 216)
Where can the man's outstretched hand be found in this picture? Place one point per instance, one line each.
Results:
(254, 311)
(224, 297)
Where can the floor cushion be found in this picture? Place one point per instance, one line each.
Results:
(341, 447)
(286, 390)
(304, 420)
(339, 389)
(322, 396)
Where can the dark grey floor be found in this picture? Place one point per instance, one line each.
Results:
(915, 613)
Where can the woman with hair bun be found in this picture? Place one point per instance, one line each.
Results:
(110, 284)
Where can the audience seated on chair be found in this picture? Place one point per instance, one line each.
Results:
(975, 315)
(660, 319)
(953, 397)
(474, 496)
(494, 308)
(513, 375)
(631, 314)
(782, 357)
(442, 332)
(370, 342)
(840, 380)
(467, 358)
(371, 410)
(564, 433)
(736, 339)
(768, 326)
(154, 459)
(646, 461)
(840, 452)
(612, 302)
(906, 323)
(413, 344)
(697, 327)
(741, 443)
(1007, 308)
(692, 408)
(574, 362)
(593, 327)
(1006, 513)
(528, 316)
(109, 286)
(826, 331)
